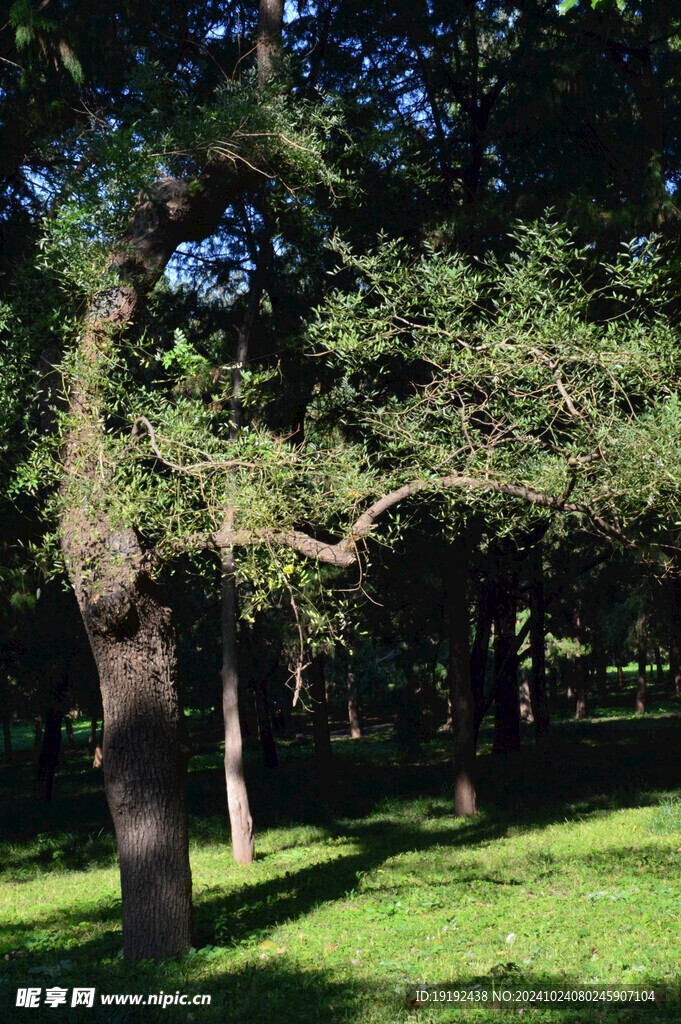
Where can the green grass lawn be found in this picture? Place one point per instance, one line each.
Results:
(569, 875)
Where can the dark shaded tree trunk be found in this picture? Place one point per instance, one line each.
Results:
(641, 683)
(659, 674)
(459, 680)
(354, 715)
(240, 820)
(320, 718)
(38, 733)
(49, 756)
(92, 737)
(601, 660)
(7, 736)
(269, 747)
(620, 674)
(540, 705)
(408, 722)
(70, 739)
(506, 708)
(581, 685)
(480, 651)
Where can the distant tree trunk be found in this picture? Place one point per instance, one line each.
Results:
(480, 651)
(540, 705)
(581, 687)
(269, 747)
(553, 682)
(506, 711)
(620, 674)
(38, 735)
(240, 820)
(601, 673)
(92, 738)
(658, 666)
(641, 682)
(70, 739)
(7, 735)
(49, 755)
(408, 722)
(354, 715)
(459, 680)
(320, 717)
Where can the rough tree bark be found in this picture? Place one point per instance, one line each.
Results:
(241, 822)
(459, 680)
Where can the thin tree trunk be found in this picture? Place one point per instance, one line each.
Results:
(506, 710)
(641, 682)
(540, 705)
(581, 687)
(658, 666)
(269, 747)
(459, 681)
(241, 822)
(620, 675)
(92, 738)
(320, 717)
(601, 673)
(354, 716)
(38, 734)
(480, 651)
(70, 739)
(49, 756)
(7, 735)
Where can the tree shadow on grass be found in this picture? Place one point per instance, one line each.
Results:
(278, 990)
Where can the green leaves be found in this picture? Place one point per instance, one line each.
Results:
(567, 5)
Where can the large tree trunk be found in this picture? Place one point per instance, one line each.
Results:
(128, 624)
(320, 717)
(240, 819)
(540, 704)
(459, 681)
(133, 643)
(506, 711)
